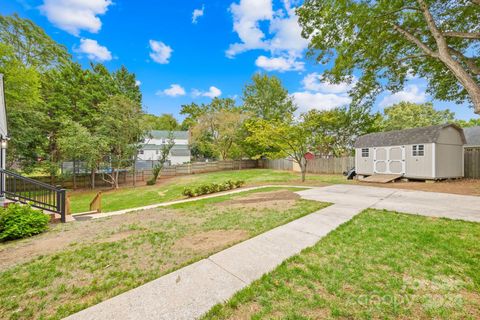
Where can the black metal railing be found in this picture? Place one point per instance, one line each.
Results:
(38, 194)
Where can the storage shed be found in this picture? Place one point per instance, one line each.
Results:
(434, 152)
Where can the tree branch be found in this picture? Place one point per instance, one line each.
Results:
(468, 61)
(415, 40)
(463, 35)
(437, 34)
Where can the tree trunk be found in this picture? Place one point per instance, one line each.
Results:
(74, 175)
(92, 178)
(303, 168)
(444, 55)
(116, 179)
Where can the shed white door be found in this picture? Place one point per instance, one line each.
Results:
(389, 160)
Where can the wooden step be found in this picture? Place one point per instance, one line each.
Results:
(382, 178)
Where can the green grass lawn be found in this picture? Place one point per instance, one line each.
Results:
(380, 265)
(171, 189)
(102, 258)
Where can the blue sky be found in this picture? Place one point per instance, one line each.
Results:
(185, 51)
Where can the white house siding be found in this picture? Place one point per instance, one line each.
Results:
(178, 142)
(420, 167)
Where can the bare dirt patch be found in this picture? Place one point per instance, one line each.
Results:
(206, 241)
(464, 186)
(63, 236)
(279, 200)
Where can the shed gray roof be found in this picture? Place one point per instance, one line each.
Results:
(472, 135)
(163, 134)
(403, 137)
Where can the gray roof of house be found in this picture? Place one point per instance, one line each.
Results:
(163, 134)
(472, 135)
(403, 137)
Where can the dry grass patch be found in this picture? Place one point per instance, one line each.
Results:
(80, 264)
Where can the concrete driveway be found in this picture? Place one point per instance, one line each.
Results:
(432, 204)
(191, 291)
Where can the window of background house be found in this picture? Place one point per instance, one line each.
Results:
(418, 150)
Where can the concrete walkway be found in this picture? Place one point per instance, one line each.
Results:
(191, 291)
(81, 217)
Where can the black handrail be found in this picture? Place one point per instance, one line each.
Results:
(38, 194)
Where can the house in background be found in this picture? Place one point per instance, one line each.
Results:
(434, 152)
(152, 147)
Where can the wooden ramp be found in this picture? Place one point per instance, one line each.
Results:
(382, 178)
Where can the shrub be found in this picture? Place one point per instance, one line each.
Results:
(212, 188)
(239, 183)
(150, 182)
(21, 221)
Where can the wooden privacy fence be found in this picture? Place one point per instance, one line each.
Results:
(277, 164)
(472, 162)
(319, 165)
(128, 177)
(330, 165)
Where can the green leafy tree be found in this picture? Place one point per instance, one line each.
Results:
(406, 115)
(164, 153)
(267, 99)
(24, 109)
(336, 130)
(30, 44)
(390, 40)
(218, 131)
(468, 123)
(122, 131)
(77, 143)
(194, 111)
(284, 138)
(165, 122)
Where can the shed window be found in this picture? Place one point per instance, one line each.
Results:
(365, 152)
(418, 150)
(140, 152)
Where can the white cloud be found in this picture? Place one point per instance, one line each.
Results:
(320, 101)
(411, 93)
(287, 34)
(246, 17)
(321, 94)
(94, 50)
(212, 92)
(161, 53)
(75, 15)
(197, 13)
(283, 39)
(314, 82)
(175, 90)
(138, 83)
(280, 64)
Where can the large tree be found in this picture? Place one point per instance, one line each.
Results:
(336, 130)
(31, 45)
(121, 130)
(283, 138)
(405, 115)
(388, 41)
(267, 99)
(165, 122)
(218, 131)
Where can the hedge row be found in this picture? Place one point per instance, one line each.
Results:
(212, 188)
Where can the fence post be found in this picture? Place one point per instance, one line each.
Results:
(61, 204)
